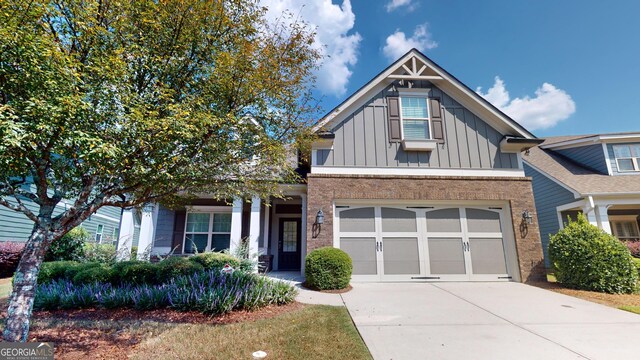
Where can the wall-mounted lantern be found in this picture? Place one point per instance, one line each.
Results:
(527, 217)
(320, 217)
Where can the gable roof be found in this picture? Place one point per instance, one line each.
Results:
(581, 179)
(582, 140)
(427, 69)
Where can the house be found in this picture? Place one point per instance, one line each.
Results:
(415, 176)
(598, 175)
(103, 226)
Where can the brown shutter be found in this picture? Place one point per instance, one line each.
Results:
(393, 107)
(437, 124)
(178, 231)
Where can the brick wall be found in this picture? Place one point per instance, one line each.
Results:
(324, 189)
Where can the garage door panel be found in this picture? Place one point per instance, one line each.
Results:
(401, 256)
(363, 254)
(483, 221)
(446, 256)
(444, 220)
(357, 220)
(487, 256)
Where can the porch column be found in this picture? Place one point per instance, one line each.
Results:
(147, 230)
(602, 212)
(303, 232)
(265, 231)
(125, 236)
(254, 226)
(236, 225)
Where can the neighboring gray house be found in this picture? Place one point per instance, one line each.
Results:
(598, 175)
(103, 226)
(415, 176)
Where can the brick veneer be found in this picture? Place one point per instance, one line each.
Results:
(324, 189)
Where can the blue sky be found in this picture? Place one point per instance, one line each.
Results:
(558, 67)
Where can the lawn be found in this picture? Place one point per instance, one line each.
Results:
(627, 302)
(293, 331)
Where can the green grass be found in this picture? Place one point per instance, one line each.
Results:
(314, 332)
(5, 287)
(633, 309)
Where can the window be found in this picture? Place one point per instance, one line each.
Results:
(99, 231)
(627, 157)
(207, 231)
(625, 228)
(415, 118)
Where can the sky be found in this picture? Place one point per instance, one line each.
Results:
(557, 67)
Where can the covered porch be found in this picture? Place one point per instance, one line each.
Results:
(275, 229)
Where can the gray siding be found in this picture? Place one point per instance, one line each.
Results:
(362, 140)
(548, 195)
(614, 165)
(164, 227)
(591, 156)
(15, 226)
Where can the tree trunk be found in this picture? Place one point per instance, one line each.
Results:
(24, 287)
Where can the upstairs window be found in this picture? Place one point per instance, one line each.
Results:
(627, 157)
(415, 118)
(99, 231)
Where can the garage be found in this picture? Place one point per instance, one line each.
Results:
(426, 243)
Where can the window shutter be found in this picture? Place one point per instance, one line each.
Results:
(436, 120)
(393, 107)
(178, 231)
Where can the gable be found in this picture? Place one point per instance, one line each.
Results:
(415, 66)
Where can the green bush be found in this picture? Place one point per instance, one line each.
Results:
(175, 266)
(69, 247)
(74, 269)
(134, 252)
(328, 268)
(134, 272)
(102, 253)
(99, 274)
(54, 270)
(636, 262)
(585, 257)
(214, 260)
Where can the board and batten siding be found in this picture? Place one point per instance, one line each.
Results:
(547, 195)
(362, 139)
(591, 156)
(164, 227)
(614, 164)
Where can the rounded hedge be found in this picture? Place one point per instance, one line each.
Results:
(134, 272)
(50, 271)
(73, 269)
(328, 268)
(585, 257)
(214, 260)
(176, 266)
(99, 274)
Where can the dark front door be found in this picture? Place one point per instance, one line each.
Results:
(289, 244)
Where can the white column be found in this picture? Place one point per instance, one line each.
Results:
(303, 225)
(603, 218)
(254, 226)
(125, 236)
(265, 231)
(147, 230)
(236, 225)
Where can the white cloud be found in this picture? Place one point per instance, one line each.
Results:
(397, 44)
(549, 106)
(394, 4)
(333, 24)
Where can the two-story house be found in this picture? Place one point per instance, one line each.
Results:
(415, 176)
(598, 175)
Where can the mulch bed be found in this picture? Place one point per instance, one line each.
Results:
(73, 341)
(614, 300)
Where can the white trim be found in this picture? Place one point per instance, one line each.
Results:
(206, 208)
(343, 170)
(520, 160)
(575, 193)
(254, 226)
(605, 150)
(236, 224)
(303, 232)
(265, 230)
(589, 140)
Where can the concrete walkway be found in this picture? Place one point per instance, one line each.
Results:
(306, 296)
(487, 321)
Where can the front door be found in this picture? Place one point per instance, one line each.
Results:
(289, 244)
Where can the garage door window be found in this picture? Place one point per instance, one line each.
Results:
(357, 220)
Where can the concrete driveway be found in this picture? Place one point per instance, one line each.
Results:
(487, 321)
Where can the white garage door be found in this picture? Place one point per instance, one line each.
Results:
(392, 243)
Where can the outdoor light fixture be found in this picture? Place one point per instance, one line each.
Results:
(527, 217)
(320, 217)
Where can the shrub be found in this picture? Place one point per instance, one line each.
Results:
(134, 272)
(214, 260)
(176, 266)
(74, 269)
(134, 252)
(328, 268)
(68, 247)
(97, 274)
(10, 253)
(587, 258)
(634, 248)
(54, 270)
(636, 262)
(102, 253)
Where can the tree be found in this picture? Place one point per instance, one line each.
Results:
(119, 103)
